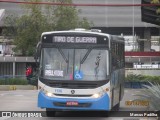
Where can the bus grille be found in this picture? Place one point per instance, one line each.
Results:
(69, 95)
(73, 85)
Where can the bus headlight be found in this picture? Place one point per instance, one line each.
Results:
(49, 94)
(97, 95)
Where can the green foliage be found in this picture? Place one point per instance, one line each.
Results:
(13, 81)
(26, 29)
(85, 24)
(10, 29)
(66, 17)
(142, 78)
(28, 33)
(152, 94)
(156, 2)
(134, 78)
(66, 20)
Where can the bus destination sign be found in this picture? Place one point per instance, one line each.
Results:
(71, 39)
(75, 38)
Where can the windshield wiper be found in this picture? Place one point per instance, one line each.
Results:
(85, 56)
(98, 59)
(63, 55)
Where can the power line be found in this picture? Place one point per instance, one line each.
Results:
(75, 4)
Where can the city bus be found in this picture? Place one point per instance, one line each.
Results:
(80, 70)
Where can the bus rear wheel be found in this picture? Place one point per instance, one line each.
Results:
(50, 112)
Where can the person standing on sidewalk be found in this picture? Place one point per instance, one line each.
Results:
(29, 73)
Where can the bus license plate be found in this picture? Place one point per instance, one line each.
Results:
(71, 103)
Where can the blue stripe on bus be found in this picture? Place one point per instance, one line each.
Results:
(101, 103)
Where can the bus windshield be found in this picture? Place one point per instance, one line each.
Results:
(74, 64)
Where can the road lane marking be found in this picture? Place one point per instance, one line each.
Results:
(126, 91)
(19, 95)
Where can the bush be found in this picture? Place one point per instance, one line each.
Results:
(13, 81)
(142, 78)
(152, 94)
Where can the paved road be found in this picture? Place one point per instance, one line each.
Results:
(26, 100)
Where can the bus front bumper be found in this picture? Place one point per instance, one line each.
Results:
(85, 104)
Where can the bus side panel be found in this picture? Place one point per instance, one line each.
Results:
(115, 88)
(122, 77)
(117, 83)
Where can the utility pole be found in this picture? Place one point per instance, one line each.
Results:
(133, 26)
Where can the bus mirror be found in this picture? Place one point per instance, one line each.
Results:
(36, 56)
(38, 51)
(37, 64)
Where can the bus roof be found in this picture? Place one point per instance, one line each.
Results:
(92, 31)
(76, 31)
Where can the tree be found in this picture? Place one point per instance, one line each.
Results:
(30, 27)
(67, 17)
(10, 27)
(40, 18)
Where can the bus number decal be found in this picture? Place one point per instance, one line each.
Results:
(58, 90)
(57, 73)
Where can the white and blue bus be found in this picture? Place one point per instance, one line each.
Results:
(80, 70)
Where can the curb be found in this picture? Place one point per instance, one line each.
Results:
(17, 87)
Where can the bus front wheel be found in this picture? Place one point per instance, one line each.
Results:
(116, 107)
(50, 112)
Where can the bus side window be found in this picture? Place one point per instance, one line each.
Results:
(117, 55)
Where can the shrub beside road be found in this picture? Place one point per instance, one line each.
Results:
(142, 78)
(13, 81)
(17, 84)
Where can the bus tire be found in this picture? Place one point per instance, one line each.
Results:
(120, 93)
(50, 112)
(116, 107)
(106, 114)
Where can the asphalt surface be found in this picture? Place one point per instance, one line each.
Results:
(26, 100)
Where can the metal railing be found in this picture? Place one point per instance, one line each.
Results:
(16, 59)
